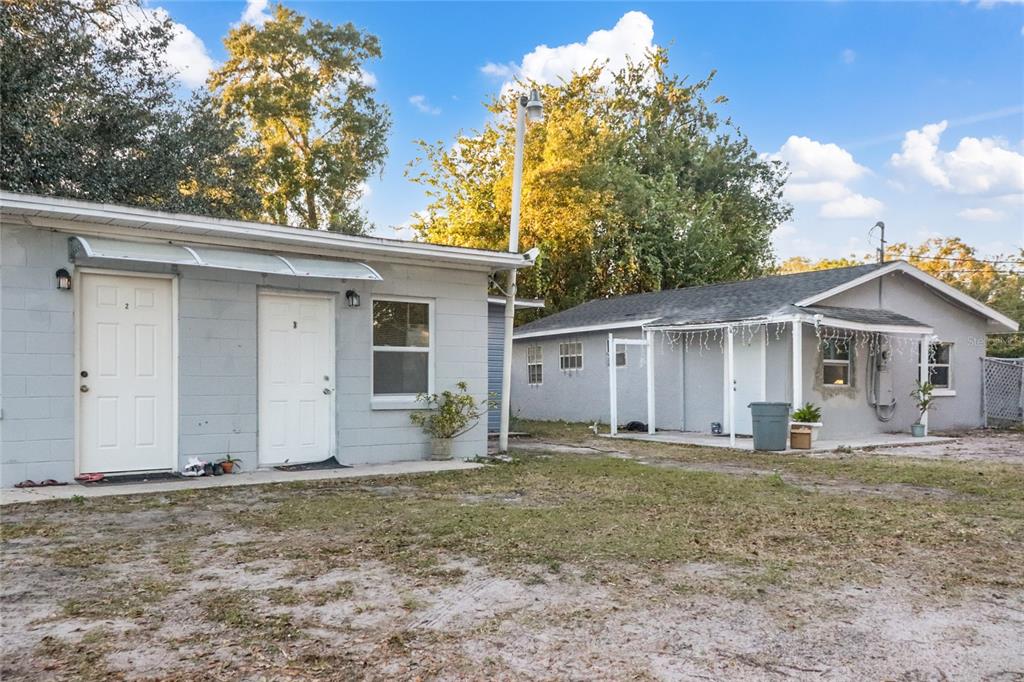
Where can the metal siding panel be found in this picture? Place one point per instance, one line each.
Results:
(495, 337)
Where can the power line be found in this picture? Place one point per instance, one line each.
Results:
(967, 259)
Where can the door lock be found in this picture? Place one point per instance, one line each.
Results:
(83, 388)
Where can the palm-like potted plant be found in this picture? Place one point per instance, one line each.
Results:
(923, 398)
(448, 416)
(807, 418)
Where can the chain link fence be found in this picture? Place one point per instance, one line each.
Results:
(1002, 397)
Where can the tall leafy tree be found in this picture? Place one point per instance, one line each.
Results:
(88, 110)
(300, 86)
(633, 182)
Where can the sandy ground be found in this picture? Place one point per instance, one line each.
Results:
(364, 619)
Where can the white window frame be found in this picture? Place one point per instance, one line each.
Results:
(403, 401)
(950, 388)
(564, 355)
(535, 359)
(831, 362)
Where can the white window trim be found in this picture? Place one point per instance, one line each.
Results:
(942, 391)
(403, 401)
(561, 356)
(539, 363)
(848, 363)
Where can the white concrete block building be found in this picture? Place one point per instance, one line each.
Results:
(131, 340)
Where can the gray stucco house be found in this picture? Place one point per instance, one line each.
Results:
(131, 340)
(851, 340)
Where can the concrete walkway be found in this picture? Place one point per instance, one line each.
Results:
(879, 440)
(65, 492)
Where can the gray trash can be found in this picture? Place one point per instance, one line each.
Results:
(771, 425)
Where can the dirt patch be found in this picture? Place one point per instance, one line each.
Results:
(618, 565)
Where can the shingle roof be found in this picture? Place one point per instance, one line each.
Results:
(726, 302)
(864, 315)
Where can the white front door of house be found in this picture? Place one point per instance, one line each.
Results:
(125, 380)
(296, 378)
(748, 347)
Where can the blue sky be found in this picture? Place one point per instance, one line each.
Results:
(911, 113)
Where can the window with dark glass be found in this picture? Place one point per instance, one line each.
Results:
(401, 347)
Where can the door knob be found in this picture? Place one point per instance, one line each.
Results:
(83, 388)
(327, 391)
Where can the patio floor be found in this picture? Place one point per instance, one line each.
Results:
(64, 492)
(880, 440)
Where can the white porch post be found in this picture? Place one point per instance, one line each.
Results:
(650, 382)
(923, 373)
(613, 389)
(798, 364)
(730, 384)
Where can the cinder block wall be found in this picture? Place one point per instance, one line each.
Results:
(218, 356)
(36, 358)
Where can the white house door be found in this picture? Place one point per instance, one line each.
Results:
(296, 378)
(125, 382)
(748, 348)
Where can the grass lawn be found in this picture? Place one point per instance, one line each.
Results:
(553, 560)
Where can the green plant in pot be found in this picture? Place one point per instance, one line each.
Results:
(229, 463)
(448, 416)
(923, 398)
(808, 418)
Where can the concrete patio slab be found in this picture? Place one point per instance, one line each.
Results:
(65, 492)
(881, 440)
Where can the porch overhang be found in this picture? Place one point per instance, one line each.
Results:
(84, 249)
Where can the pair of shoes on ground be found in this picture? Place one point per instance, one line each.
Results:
(42, 484)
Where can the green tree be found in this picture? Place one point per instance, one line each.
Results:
(634, 186)
(87, 110)
(300, 86)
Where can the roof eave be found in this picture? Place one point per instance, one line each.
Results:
(72, 216)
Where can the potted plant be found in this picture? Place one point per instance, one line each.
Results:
(922, 396)
(447, 416)
(227, 464)
(807, 418)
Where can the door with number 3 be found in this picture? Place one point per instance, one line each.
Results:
(296, 378)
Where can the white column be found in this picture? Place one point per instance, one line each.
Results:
(923, 373)
(764, 363)
(730, 383)
(798, 365)
(650, 382)
(613, 388)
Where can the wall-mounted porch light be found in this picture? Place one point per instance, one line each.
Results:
(352, 297)
(63, 279)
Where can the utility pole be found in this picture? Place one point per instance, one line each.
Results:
(532, 109)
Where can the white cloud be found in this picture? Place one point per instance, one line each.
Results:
(852, 206)
(812, 160)
(848, 56)
(630, 39)
(367, 78)
(820, 173)
(255, 13)
(979, 166)
(423, 105)
(505, 71)
(982, 214)
(186, 55)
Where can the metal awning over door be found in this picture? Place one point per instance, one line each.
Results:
(104, 248)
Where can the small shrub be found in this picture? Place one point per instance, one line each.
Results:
(808, 413)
